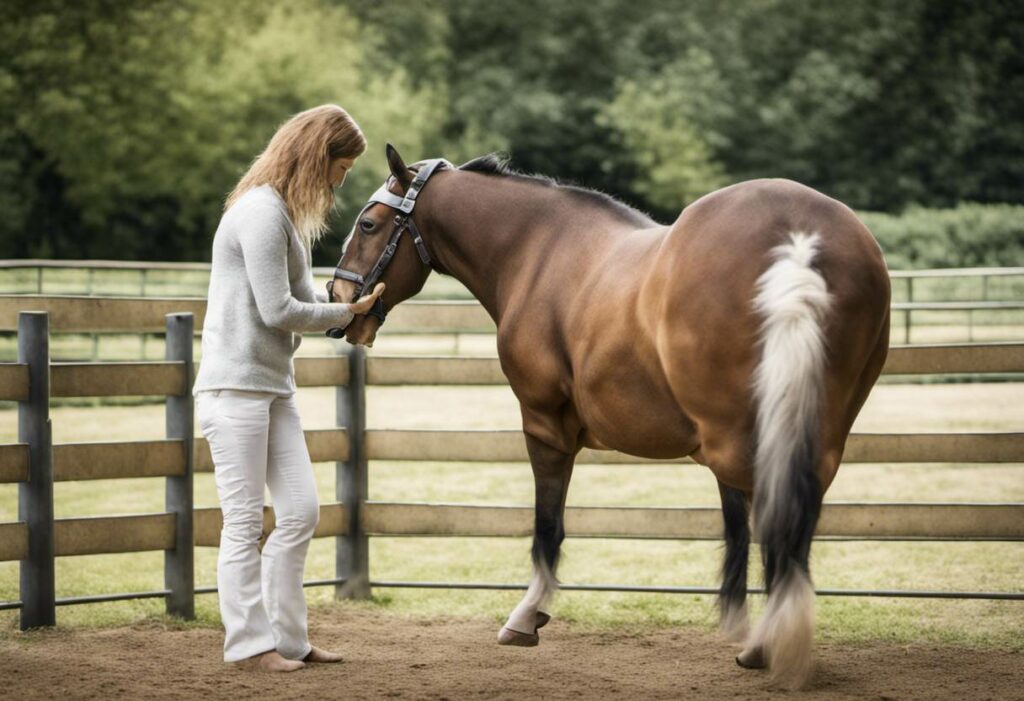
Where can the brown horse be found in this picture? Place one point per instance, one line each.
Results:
(747, 334)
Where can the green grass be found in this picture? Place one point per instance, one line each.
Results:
(943, 566)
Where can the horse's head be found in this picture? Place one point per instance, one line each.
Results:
(385, 246)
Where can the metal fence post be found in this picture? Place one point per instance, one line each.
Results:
(35, 497)
(906, 317)
(178, 563)
(351, 485)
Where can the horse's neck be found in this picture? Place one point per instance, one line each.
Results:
(494, 240)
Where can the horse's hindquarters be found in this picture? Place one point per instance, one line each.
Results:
(701, 301)
(775, 323)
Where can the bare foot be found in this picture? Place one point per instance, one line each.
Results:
(318, 655)
(271, 661)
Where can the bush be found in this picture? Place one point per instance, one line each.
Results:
(970, 235)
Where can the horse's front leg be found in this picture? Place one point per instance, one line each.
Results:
(552, 470)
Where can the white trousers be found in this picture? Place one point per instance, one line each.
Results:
(256, 441)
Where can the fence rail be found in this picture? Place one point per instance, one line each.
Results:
(843, 521)
(324, 271)
(74, 462)
(901, 278)
(87, 314)
(117, 378)
(35, 463)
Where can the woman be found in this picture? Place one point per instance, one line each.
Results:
(261, 298)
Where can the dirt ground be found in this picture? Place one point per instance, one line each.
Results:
(388, 656)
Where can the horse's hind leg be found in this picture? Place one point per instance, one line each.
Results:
(732, 597)
(552, 470)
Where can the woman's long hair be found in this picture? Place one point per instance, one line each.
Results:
(296, 163)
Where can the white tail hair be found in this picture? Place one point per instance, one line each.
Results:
(792, 301)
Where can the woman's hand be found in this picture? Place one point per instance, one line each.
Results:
(365, 303)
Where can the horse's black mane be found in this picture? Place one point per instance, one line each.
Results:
(497, 164)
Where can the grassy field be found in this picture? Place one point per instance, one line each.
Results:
(943, 566)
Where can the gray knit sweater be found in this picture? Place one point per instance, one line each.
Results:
(261, 298)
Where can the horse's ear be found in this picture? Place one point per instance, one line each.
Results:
(398, 168)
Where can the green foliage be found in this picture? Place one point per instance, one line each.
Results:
(967, 236)
(659, 120)
(145, 115)
(881, 105)
(533, 79)
(123, 123)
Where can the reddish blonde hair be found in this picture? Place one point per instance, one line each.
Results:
(296, 164)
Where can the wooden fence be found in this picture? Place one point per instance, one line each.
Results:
(35, 463)
(903, 310)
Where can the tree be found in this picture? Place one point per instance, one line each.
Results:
(128, 122)
(661, 120)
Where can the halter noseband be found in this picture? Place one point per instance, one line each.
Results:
(403, 205)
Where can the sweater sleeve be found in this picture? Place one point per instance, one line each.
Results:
(264, 243)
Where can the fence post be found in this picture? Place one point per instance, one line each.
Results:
(352, 549)
(35, 497)
(178, 563)
(906, 317)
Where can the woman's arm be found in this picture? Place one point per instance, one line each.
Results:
(265, 251)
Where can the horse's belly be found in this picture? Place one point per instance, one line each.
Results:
(639, 423)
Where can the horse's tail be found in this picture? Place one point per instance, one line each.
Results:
(792, 300)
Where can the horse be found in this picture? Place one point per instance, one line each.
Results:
(747, 335)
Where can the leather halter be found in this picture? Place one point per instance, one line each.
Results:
(403, 205)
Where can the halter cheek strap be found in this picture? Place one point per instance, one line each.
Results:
(404, 205)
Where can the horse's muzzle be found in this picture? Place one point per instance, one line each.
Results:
(363, 330)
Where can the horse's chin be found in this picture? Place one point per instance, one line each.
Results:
(362, 331)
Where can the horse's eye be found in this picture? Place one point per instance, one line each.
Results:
(367, 224)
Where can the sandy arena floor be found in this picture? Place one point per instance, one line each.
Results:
(393, 657)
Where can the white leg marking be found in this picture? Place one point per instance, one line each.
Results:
(786, 631)
(523, 618)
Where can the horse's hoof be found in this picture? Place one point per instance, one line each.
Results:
(507, 636)
(542, 619)
(752, 658)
